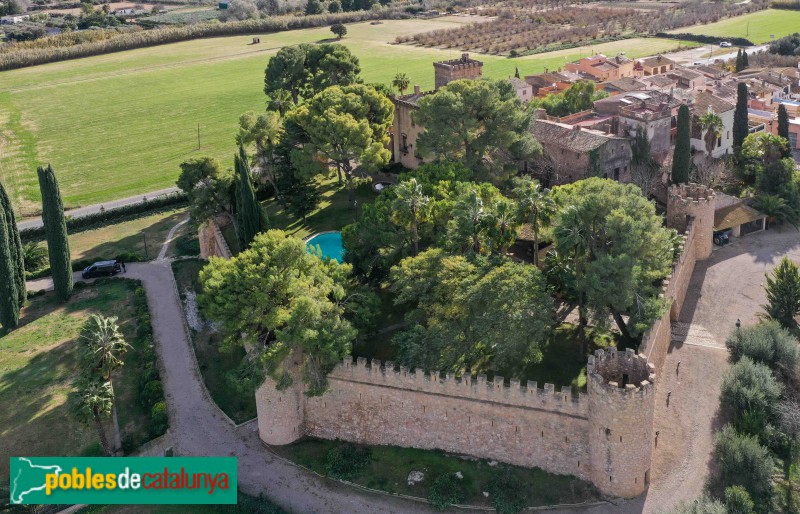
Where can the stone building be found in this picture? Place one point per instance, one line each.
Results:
(705, 102)
(656, 65)
(603, 68)
(577, 153)
(457, 69)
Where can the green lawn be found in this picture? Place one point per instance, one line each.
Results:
(39, 367)
(238, 404)
(390, 466)
(120, 124)
(756, 27)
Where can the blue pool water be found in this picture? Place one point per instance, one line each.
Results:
(330, 244)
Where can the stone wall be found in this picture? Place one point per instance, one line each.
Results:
(212, 242)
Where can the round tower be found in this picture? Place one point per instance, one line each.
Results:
(621, 404)
(281, 414)
(697, 202)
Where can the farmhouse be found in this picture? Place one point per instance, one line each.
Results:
(656, 65)
(603, 68)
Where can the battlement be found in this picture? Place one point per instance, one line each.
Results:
(467, 387)
(464, 62)
(691, 193)
(456, 69)
(625, 372)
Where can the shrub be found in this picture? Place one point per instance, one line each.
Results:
(750, 391)
(507, 493)
(346, 461)
(158, 419)
(152, 393)
(737, 501)
(767, 343)
(702, 505)
(791, 5)
(743, 462)
(446, 490)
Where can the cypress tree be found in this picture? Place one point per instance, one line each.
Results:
(682, 158)
(783, 122)
(739, 62)
(17, 257)
(516, 72)
(9, 298)
(745, 62)
(55, 228)
(248, 210)
(740, 127)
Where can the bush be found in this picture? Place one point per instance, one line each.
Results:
(446, 490)
(187, 245)
(791, 5)
(158, 419)
(152, 393)
(767, 343)
(702, 505)
(737, 501)
(743, 462)
(507, 493)
(750, 391)
(346, 461)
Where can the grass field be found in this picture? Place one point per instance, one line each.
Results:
(39, 367)
(756, 27)
(389, 467)
(120, 124)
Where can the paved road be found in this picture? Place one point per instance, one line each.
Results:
(91, 209)
(698, 54)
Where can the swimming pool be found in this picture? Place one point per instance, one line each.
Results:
(330, 243)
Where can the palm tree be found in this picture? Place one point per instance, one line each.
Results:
(535, 207)
(104, 346)
(573, 240)
(775, 207)
(503, 223)
(34, 255)
(411, 205)
(712, 127)
(281, 101)
(95, 404)
(401, 82)
(469, 217)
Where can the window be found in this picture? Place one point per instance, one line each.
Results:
(404, 143)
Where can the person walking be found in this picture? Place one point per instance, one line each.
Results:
(122, 263)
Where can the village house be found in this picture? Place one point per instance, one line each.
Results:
(663, 83)
(655, 65)
(623, 85)
(523, 89)
(577, 153)
(688, 79)
(707, 102)
(603, 68)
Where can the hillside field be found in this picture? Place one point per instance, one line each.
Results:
(120, 124)
(756, 27)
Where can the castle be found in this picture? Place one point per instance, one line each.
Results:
(604, 435)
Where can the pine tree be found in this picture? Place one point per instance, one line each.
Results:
(682, 158)
(740, 127)
(739, 61)
(9, 298)
(17, 256)
(249, 215)
(745, 62)
(783, 294)
(55, 227)
(783, 122)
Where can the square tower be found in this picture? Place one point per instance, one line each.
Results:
(456, 69)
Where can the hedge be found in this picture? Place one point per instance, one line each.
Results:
(22, 56)
(789, 5)
(702, 38)
(105, 217)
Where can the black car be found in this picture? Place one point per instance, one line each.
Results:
(721, 237)
(102, 269)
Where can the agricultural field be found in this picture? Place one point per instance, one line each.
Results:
(119, 124)
(532, 26)
(757, 27)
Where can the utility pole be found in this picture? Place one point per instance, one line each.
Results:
(198, 136)
(146, 255)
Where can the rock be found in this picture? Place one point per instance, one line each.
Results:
(485, 494)
(415, 476)
(459, 475)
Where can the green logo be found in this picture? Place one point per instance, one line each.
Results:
(123, 480)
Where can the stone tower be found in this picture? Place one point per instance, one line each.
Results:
(281, 414)
(456, 69)
(698, 202)
(621, 404)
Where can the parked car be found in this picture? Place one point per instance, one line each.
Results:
(721, 237)
(102, 269)
(725, 44)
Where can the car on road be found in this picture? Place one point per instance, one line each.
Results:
(725, 44)
(721, 238)
(102, 269)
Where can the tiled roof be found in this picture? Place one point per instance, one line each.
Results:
(657, 60)
(565, 136)
(684, 73)
(704, 100)
(735, 215)
(519, 83)
(626, 84)
(659, 80)
(710, 71)
(413, 98)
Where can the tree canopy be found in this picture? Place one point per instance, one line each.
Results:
(478, 123)
(208, 187)
(277, 299)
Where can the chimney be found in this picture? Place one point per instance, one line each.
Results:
(416, 89)
(465, 57)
